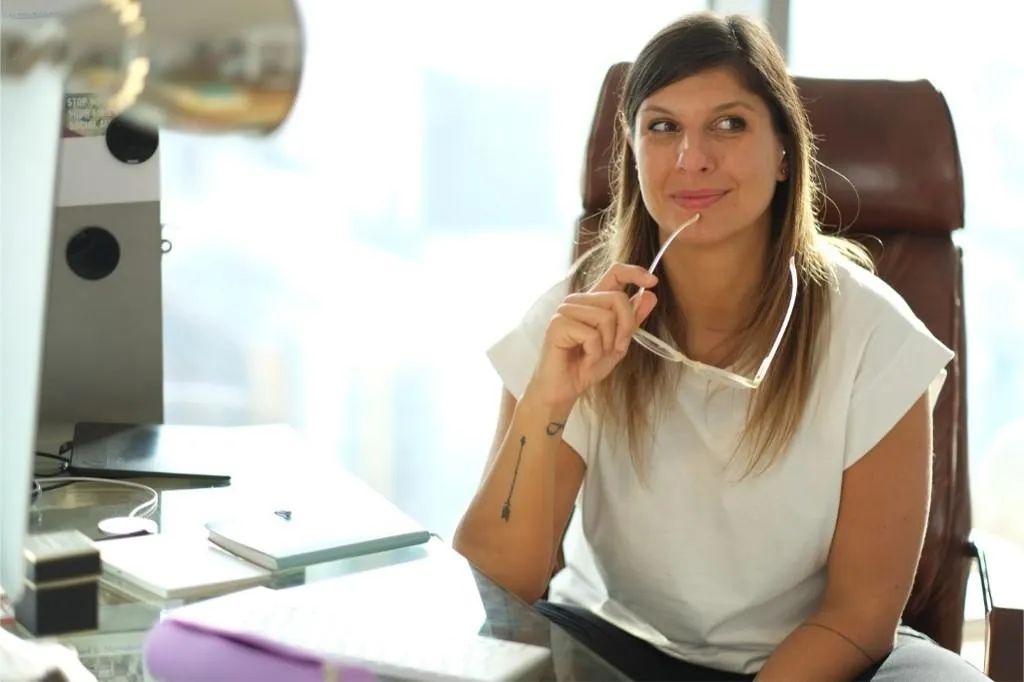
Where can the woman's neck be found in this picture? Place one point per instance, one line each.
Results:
(715, 290)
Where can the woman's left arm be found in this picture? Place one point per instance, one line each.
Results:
(883, 513)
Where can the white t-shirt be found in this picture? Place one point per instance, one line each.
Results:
(711, 570)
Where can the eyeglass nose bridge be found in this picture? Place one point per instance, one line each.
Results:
(660, 348)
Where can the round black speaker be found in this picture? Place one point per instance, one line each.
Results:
(129, 143)
(93, 253)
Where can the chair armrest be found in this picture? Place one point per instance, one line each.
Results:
(1001, 569)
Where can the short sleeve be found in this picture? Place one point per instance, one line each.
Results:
(515, 355)
(901, 359)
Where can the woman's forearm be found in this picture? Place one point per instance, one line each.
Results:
(825, 648)
(507, 531)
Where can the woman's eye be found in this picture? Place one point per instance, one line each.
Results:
(662, 127)
(730, 124)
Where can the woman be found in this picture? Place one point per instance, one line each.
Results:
(753, 489)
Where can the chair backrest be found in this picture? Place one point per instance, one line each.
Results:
(895, 143)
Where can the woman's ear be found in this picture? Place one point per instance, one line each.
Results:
(782, 174)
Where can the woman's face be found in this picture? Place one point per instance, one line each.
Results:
(706, 144)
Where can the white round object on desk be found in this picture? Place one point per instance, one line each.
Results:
(128, 525)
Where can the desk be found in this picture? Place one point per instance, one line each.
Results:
(114, 652)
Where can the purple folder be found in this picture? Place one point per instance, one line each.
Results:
(179, 652)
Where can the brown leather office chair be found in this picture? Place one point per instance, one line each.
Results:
(896, 144)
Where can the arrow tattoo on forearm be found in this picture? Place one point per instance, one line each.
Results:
(552, 429)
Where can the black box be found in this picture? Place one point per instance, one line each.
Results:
(61, 594)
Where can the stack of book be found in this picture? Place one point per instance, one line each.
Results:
(246, 551)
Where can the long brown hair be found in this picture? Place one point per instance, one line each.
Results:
(631, 395)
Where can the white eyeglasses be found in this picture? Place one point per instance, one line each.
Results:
(664, 350)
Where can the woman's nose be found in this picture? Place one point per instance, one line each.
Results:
(694, 154)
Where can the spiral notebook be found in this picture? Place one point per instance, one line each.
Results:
(325, 628)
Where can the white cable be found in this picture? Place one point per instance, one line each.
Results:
(144, 509)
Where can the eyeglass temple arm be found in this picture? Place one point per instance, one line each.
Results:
(661, 252)
(766, 363)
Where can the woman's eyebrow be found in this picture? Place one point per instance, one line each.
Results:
(735, 104)
(732, 104)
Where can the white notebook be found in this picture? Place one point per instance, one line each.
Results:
(177, 566)
(329, 630)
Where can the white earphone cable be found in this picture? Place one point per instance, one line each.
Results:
(143, 510)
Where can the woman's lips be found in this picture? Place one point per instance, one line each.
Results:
(697, 200)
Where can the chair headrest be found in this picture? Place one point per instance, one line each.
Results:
(893, 140)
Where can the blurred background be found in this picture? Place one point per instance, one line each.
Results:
(347, 275)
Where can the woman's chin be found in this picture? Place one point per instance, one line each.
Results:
(706, 228)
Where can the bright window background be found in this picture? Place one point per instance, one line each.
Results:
(346, 275)
(973, 56)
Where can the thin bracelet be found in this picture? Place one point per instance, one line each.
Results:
(848, 640)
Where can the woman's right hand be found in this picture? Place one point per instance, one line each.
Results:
(590, 334)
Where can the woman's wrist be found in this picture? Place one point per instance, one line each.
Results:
(555, 410)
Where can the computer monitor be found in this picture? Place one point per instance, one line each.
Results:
(30, 110)
(209, 66)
